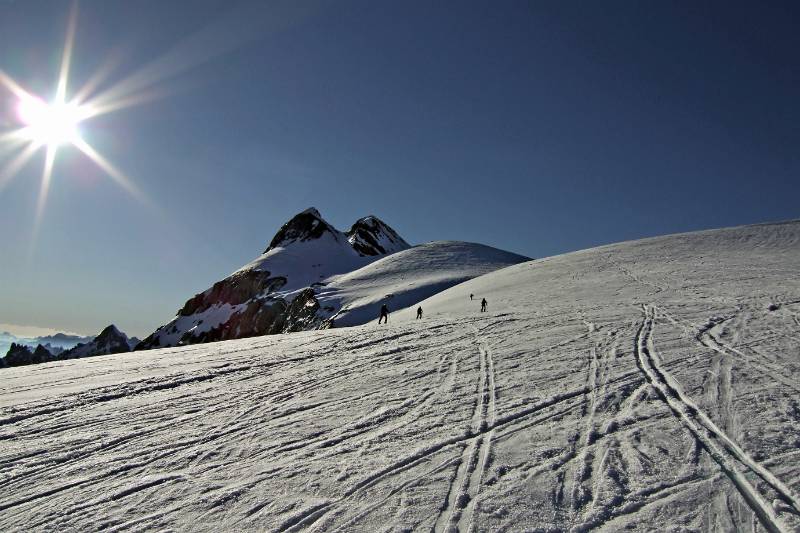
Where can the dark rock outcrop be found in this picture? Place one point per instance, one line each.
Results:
(19, 355)
(304, 226)
(110, 340)
(235, 289)
(371, 236)
(264, 316)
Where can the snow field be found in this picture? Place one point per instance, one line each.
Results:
(645, 385)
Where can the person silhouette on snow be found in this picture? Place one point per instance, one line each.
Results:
(384, 314)
(471, 296)
(484, 303)
(419, 312)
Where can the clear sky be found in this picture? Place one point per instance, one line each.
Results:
(536, 127)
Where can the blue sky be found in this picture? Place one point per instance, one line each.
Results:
(537, 127)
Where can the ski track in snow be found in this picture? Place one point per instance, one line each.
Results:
(637, 386)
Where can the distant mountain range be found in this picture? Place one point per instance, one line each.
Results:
(62, 346)
(54, 343)
(313, 276)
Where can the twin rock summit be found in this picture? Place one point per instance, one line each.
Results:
(313, 276)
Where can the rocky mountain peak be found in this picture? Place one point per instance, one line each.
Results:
(41, 353)
(275, 293)
(110, 333)
(371, 236)
(110, 340)
(305, 226)
(19, 355)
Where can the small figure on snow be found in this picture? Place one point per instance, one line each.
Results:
(484, 303)
(419, 312)
(384, 314)
(471, 296)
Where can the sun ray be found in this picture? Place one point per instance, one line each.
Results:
(239, 26)
(93, 109)
(121, 179)
(17, 136)
(13, 86)
(14, 166)
(94, 81)
(47, 174)
(66, 58)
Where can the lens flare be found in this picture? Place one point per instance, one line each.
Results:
(60, 123)
(53, 124)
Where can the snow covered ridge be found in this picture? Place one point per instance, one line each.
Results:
(644, 386)
(314, 276)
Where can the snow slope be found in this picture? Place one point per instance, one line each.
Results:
(404, 278)
(649, 385)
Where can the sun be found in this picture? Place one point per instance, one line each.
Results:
(55, 124)
(50, 124)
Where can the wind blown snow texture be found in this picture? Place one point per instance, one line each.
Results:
(648, 385)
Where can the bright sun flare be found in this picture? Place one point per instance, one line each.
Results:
(53, 124)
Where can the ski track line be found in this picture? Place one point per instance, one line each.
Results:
(639, 500)
(171, 450)
(143, 484)
(488, 416)
(725, 395)
(598, 381)
(619, 381)
(74, 455)
(309, 517)
(579, 494)
(703, 336)
(410, 483)
(769, 369)
(629, 274)
(482, 425)
(753, 465)
(79, 482)
(457, 513)
(416, 412)
(378, 429)
(701, 426)
(559, 461)
(468, 457)
(155, 384)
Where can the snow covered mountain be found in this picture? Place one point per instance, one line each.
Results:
(644, 386)
(313, 275)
